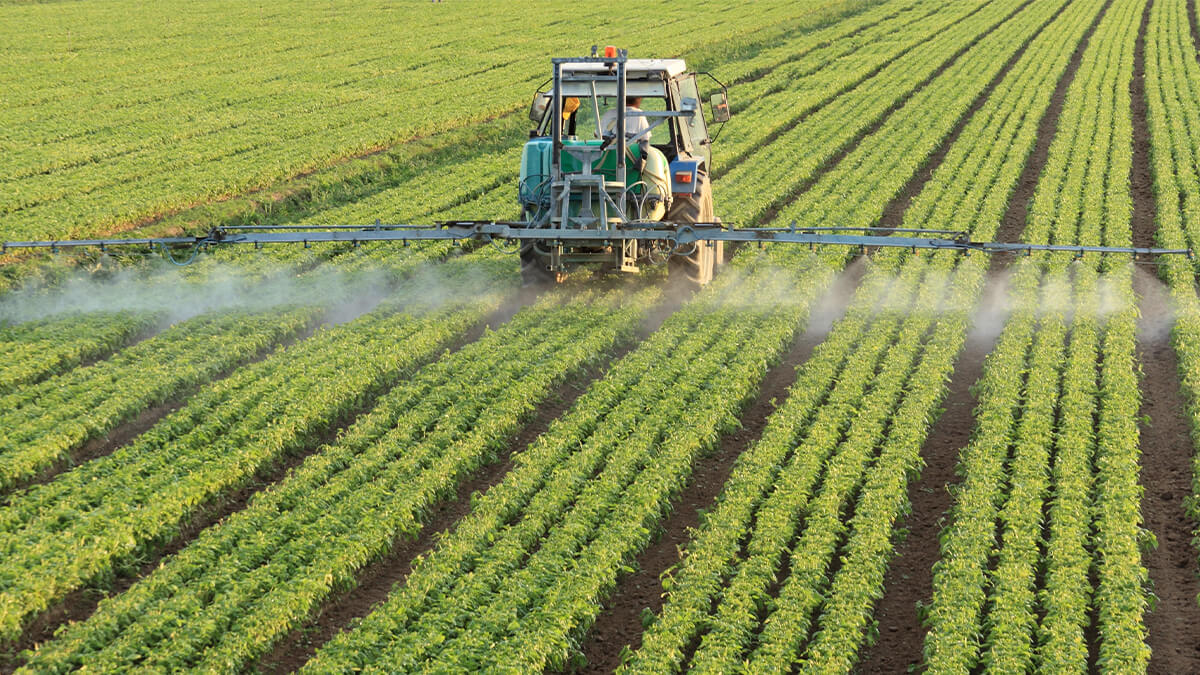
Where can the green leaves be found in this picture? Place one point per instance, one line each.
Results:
(36, 350)
(65, 534)
(267, 568)
(41, 423)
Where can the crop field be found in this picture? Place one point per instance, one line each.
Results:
(336, 458)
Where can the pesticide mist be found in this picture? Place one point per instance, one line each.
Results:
(343, 294)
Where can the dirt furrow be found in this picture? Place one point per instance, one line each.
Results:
(1173, 623)
(1191, 11)
(909, 578)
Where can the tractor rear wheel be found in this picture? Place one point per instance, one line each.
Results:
(699, 265)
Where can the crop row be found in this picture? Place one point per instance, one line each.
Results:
(829, 382)
(773, 67)
(1050, 459)
(458, 185)
(311, 534)
(959, 197)
(482, 173)
(394, 259)
(454, 28)
(191, 353)
(807, 83)
(826, 463)
(836, 124)
(416, 180)
(455, 181)
(35, 350)
(458, 182)
(78, 528)
(416, 199)
(978, 173)
(589, 490)
(41, 423)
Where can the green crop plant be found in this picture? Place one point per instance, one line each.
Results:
(44, 422)
(36, 350)
(216, 442)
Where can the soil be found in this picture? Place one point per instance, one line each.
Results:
(376, 580)
(1141, 179)
(1191, 9)
(1173, 624)
(620, 622)
(909, 577)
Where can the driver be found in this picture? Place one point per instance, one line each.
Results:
(635, 124)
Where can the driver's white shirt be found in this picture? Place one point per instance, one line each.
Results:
(633, 125)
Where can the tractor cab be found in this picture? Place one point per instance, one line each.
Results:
(664, 88)
(578, 172)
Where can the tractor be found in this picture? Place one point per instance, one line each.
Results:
(577, 172)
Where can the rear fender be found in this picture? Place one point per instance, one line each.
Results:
(685, 178)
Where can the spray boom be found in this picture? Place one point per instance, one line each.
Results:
(681, 238)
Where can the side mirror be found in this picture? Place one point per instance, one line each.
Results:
(720, 106)
(537, 110)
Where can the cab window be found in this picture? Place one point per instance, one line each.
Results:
(695, 124)
(585, 118)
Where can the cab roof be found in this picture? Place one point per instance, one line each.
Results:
(633, 67)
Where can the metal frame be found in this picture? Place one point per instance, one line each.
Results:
(584, 153)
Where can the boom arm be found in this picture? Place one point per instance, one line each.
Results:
(682, 237)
